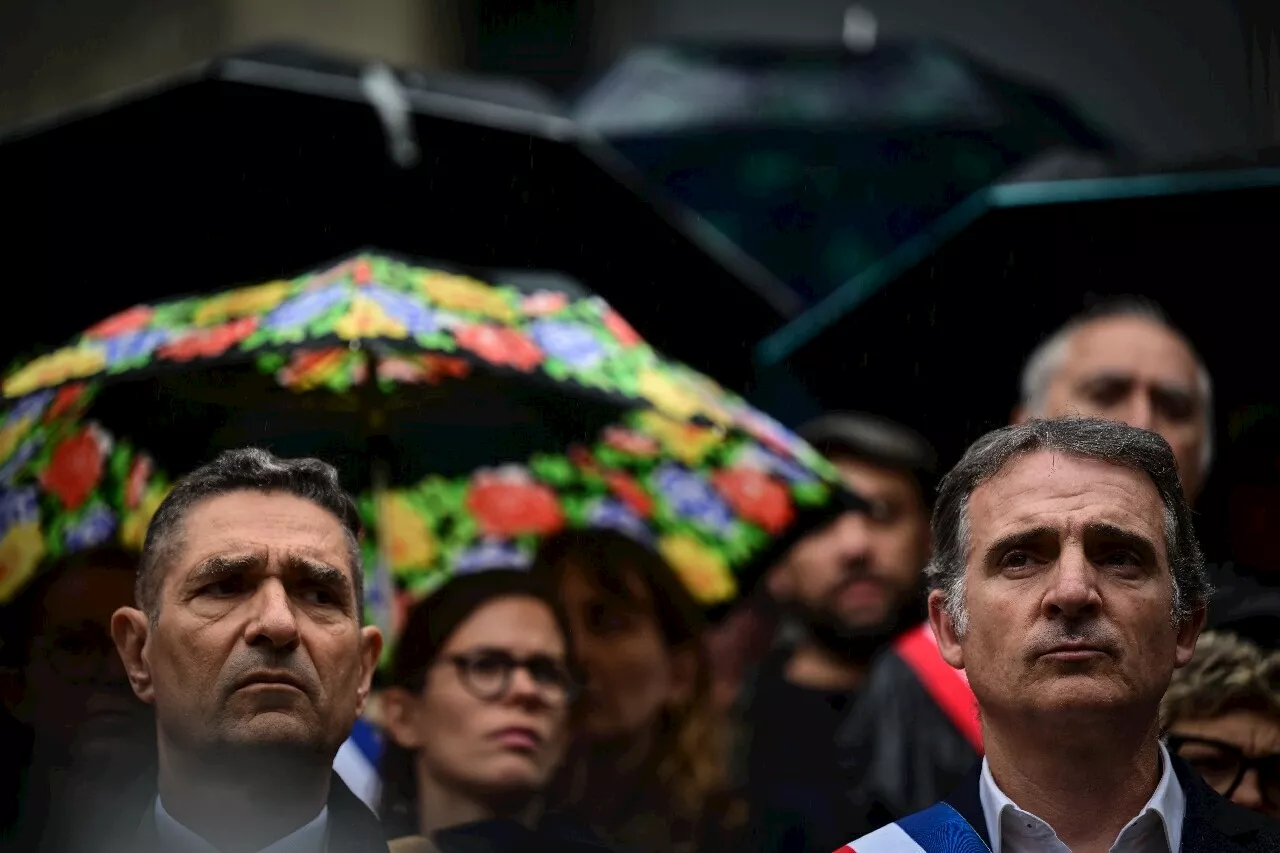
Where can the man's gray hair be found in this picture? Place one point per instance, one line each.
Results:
(247, 469)
(1090, 438)
(1046, 359)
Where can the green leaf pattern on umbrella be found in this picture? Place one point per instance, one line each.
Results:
(707, 479)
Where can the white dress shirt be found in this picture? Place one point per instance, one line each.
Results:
(173, 836)
(1156, 829)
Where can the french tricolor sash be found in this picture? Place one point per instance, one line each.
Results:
(937, 829)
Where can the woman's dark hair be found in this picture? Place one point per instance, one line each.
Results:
(427, 630)
(690, 753)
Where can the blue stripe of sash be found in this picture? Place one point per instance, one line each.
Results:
(941, 829)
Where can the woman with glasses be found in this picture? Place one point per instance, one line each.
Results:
(478, 718)
(1221, 714)
(649, 770)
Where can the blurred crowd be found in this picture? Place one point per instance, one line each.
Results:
(194, 699)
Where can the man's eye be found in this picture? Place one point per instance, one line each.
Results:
(1016, 560)
(319, 596)
(224, 587)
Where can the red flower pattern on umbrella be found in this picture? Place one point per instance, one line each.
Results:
(544, 302)
(756, 497)
(501, 346)
(630, 493)
(630, 441)
(620, 328)
(208, 343)
(75, 468)
(130, 320)
(507, 503)
(65, 400)
(362, 272)
(135, 486)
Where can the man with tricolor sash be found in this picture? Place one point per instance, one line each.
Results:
(1067, 582)
(855, 719)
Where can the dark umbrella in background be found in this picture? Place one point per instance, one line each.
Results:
(264, 164)
(820, 160)
(936, 334)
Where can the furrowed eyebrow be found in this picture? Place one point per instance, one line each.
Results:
(317, 571)
(1013, 541)
(1128, 538)
(220, 566)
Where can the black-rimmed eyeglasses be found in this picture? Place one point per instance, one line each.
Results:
(487, 674)
(1224, 765)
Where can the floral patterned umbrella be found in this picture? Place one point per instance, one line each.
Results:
(473, 418)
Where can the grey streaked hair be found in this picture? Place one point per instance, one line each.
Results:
(1045, 360)
(247, 469)
(1091, 438)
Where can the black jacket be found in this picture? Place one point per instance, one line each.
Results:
(1212, 823)
(352, 827)
(553, 835)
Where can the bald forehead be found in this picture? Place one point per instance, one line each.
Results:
(1128, 344)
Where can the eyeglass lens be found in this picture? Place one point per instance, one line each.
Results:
(489, 673)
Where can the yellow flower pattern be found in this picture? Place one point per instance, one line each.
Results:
(133, 530)
(11, 436)
(703, 571)
(460, 293)
(56, 368)
(366, 319)
(20, 552)
(687, 442)
(407, 539)
(243, 302)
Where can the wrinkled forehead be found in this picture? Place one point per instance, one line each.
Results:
(1132, 347)
(1050, 490)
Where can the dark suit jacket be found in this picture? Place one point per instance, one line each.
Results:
(1212, 823)
(352, 827)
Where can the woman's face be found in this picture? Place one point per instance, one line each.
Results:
(632, 675)
(469, 733)
(1217, 745)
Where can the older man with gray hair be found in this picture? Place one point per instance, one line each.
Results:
(1068, 583)
(1124, 361)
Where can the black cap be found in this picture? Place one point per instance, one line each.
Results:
(878, 441)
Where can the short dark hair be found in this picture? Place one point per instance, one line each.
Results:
(878, 441)
(1090, 438)
(250, 469)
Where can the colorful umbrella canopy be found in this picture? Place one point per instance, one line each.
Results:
(473, 418)
(819, 161)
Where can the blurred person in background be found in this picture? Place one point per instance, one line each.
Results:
(247, 640)
(479, 720)
(1221, 714)
(842, 728)
(648, 769)
(1124, 361)
(75, 729)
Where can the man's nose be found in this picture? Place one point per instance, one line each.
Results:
(273, 619)
(853, 535)
(1138, 410)
(1073, 590)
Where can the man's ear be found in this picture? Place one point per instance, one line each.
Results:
(130, 628)
(370, 653)
(1188, 634)
(944, 630)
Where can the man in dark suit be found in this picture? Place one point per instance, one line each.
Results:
(1068, 583)
(247, 641)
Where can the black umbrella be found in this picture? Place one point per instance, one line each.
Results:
(820, 160)
(264, 164)
(936, 334)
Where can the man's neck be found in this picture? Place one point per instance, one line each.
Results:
(242, 806)
(816, 668)
(1087, 781)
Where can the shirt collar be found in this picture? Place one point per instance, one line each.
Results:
(310, 838)
(1169, 802)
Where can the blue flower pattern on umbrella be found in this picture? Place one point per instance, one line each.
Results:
(755, 456)
(20, 458)
(133, 345)
(94, 528)
(303, 309)
(31, 406)
(18, 506)
(692, 497)
(417, 318)
(614, 515)
(572, 344)
(490, 555)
